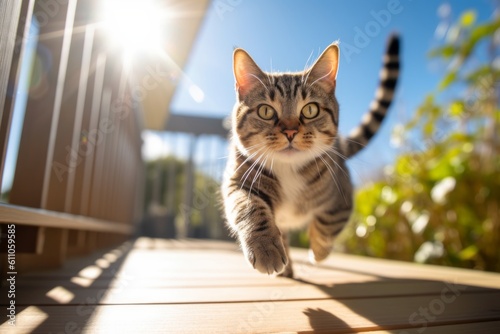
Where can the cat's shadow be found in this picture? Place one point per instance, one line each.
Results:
(322, 321)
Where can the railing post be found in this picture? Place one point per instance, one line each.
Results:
(188, 189)
(170, 200)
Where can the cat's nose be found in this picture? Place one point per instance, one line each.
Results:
(289, 128)
(290, 134)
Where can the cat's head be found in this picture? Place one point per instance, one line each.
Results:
(285, 117)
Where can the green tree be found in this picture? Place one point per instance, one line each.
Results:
(204, 214)
(439, 202)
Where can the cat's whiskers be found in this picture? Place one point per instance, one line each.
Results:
(259, 168)
(247, 173)
(354, 141)
(345, 158)
(317, 166)
(251, 147)
(332, 173)
(346, 175)
(259, 171)
(251, 155)
(321, 153)
(336, 163)
(353, 168)
(337, 153)
(272, 164)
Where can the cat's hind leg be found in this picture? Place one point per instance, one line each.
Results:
(288, 272)
(321, 235)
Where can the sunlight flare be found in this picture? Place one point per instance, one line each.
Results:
(134, 26)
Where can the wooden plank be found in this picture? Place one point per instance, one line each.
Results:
(73, 193)
(207, 265)
(331, 316)
(387, 269)
(91, 126)
(63, 156)
(478, 327)
(151, 283)
(79, 180)
(38, 217)
(46, 292)
(59, 186)
(187, 244)
(34, 146)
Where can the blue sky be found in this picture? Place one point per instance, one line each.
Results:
(281, 35)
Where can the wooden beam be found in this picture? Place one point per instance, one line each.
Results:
(38, 217)
(197, 125)
(52, 255)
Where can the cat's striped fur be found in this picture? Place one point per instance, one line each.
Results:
(286, 168)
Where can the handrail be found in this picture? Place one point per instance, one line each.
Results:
(13, 214)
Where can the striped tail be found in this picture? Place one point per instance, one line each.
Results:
(361, 135)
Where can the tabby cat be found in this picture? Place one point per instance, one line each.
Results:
(286, 168)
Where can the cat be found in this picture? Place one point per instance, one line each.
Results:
(286, 168)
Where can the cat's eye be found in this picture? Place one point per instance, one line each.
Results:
(310, 110)
(266, 112)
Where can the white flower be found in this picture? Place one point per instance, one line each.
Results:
(406, 207)
(398, 136)
(441, 189)
(429, 250)
(420, 223)
(361, 231)
(388, 195)
(371, 220)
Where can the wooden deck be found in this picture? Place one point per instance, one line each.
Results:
(159, 286)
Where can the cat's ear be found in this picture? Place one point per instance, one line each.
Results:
(324, 70)
(246, 72)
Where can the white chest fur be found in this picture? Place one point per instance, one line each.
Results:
(289, 215)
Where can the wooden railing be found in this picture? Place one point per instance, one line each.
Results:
(78, 176)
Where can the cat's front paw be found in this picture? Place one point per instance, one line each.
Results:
(288, 271)
(267, 255)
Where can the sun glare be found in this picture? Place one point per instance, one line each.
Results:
(134, 26)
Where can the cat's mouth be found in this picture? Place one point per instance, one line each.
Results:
(289, 149)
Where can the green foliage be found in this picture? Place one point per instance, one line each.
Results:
(440, 201)
(165, 189)
(157, 181)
